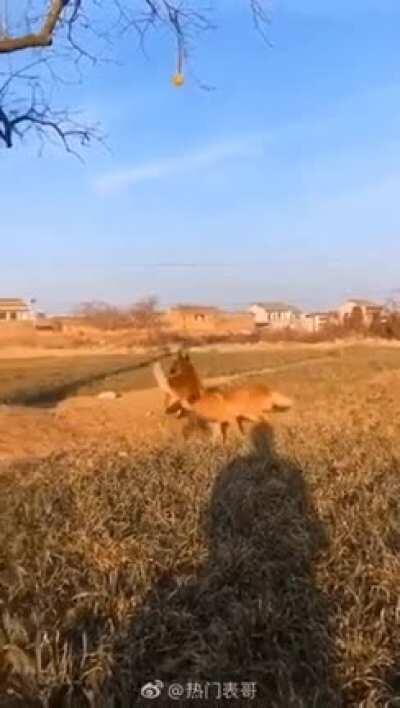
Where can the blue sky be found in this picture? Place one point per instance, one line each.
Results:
(282, 183)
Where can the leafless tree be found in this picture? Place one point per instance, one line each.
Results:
(44, 44)
(392, 303)
(102, 315)
(144, 313)
(355, 321)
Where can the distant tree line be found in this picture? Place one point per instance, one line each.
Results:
(142, 315)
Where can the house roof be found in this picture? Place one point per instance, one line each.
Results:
(12, 304)
(194, 308)
(277, 307)
(361, 302)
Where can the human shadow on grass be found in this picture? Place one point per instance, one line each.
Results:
(253, 614)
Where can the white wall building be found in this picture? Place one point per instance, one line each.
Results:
(15, 310)
(276, 315)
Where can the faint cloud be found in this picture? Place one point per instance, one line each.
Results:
(208, 156)
(338, 10)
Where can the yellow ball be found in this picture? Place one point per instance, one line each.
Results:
(178, 79)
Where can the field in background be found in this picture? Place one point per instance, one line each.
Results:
(274, 561)
(48, 379)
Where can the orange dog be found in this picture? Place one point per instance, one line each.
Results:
(216, 406)
(184, 382)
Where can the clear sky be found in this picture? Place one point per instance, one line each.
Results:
(282, 183)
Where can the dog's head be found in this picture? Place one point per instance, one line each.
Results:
(181, 364)
(183, 378)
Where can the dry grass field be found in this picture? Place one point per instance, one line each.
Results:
(276, 560)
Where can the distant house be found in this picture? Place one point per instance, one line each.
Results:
(15, 310)
(367, 309)
(276, 315)
(205, 319)
(197, 318)
(316, 321)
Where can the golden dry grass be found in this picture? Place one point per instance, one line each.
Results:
(275, 561)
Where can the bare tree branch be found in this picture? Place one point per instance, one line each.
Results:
(260, 17)
(33, 64)
(45, 121)
(43, 38)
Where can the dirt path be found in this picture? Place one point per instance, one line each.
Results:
(218, 381)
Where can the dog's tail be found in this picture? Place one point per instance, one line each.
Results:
(162, 380)
(281, 402)
(163, 383)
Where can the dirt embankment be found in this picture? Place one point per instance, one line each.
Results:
(34, 432)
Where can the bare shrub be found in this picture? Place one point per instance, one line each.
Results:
(389, 328)
(144, 314)
(102, 315)
(355, 321)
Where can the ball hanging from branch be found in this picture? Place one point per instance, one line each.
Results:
(178, 78)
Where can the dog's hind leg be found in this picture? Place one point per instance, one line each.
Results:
(224, 431)
(240, 426)
(217, 432)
